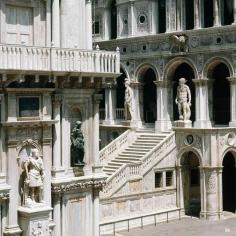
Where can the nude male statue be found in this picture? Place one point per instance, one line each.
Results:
(129, 109)
(183, 100)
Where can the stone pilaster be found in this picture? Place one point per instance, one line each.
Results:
(232, 81)
(57, 150)
(234, 11)
(88, 7)
(163, 121)
(202, 104)
(131, 19)
(57, 214)
(198, 14)
(110, 104)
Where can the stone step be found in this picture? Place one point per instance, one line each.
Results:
(144, 145)
(131, 154)
(134, 151)
(128, 158)
(151, 142)
(123, 161)
(114, 164)
(138, 148)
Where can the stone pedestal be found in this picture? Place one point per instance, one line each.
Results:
(183, 123)
(34, 221)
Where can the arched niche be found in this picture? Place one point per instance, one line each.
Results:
(148, 94)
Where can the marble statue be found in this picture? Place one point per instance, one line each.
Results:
(77, 145)
(129, 99)
(33, 183)
(183, 100)
(179, 42)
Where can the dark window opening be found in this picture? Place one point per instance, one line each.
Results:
(169, 178)
(194, 178)
(113, 20)
(158, 180)
(120, 90)
(228, 12)
(189, 14)
(29, 107)
(208, 13)
(96, 27)
(162, 16)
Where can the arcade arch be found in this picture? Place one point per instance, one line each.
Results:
(148, 94)
(229, 182)
(219, 96)
(191, 183)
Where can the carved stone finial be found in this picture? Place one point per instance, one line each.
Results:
(117, 49)
(97, 47)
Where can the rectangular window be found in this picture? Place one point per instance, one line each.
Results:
(169, 178)
(28, 106)
(158, 180)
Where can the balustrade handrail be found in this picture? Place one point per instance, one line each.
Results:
(22, 57)
(124, 171)
(112, 148)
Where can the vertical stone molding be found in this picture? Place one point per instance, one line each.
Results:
(198, 14)
(202, 103)
(163, 121)
(131, 20)
(234, 11)
(88, 8)
(110, 104)
(57, 214)
(232, 81)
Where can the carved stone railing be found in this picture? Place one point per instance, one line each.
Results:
(116, 181)
(116, 146)
(15, 57)
(120, 113)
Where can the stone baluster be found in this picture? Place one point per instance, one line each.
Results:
(232, 81)
(110, 103)
(202, 104)
(217, 12)
(56, 23)
(163, 121)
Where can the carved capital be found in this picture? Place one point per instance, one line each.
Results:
(232, 80)
(201, 82)
(57, 99)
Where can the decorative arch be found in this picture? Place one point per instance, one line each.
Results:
(186, 150)
(142, 68)
(213, 62)
(124, 69)
(173, 64)
(232, 150)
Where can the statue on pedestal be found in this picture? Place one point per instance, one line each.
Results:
(183, 100)
(129, 100)
(77, 145)
(33, 182)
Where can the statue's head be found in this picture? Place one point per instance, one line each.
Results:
(78, 123)
(127, 82)
(35, 152)
(182, 81)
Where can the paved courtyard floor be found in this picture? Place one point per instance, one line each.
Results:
(187, 227)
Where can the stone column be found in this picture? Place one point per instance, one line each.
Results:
(170, 15)
(234, 11)
(203, 192)
(153, 8)
(232, 81)
(217, 12)
(56, 23)
(95, 212)
(107, 24)
(96, 163)
(136, 121)
(57, 157)
(131, 19)
(180, 15)
(57, 214)
(88, 8)
(202, 104)
(163, 121)
(180, 189)
(110, 104)
(220, 192)
(212, 193)
(198, 14)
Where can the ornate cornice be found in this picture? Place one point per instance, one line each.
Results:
(59, 188)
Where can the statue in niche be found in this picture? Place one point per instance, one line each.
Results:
(183, 100)
(77, 145)
(34, 176)
(129, 99)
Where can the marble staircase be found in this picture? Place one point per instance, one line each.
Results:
(144, 142)
(132, 155)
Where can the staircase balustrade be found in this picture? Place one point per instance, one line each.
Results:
(121, 142)
(127, 171)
